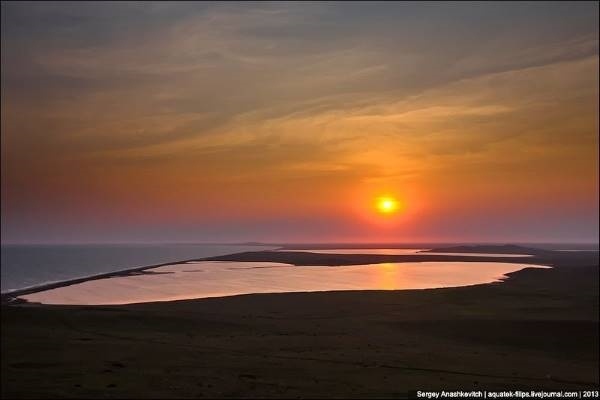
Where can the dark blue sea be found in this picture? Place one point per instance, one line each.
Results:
(31, 265)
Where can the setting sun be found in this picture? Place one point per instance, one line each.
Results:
(387, 205)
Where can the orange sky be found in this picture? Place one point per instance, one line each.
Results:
(284, 121)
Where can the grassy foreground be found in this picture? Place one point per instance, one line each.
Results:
(538, 329)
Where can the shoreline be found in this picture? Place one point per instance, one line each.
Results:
(296, 258)
(12, 296)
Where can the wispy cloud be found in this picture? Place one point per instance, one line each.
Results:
(390, 95)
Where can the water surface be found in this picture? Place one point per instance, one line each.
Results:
(227, 278)
(31, 265)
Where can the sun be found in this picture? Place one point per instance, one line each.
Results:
(387, 205)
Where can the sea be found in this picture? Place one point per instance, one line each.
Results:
(25, 266)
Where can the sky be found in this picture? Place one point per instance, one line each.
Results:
(285, 121)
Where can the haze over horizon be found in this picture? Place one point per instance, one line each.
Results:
(283, 122)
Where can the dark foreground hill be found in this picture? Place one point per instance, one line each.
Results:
(536, 330)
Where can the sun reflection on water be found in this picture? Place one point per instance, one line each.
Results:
(388, 275)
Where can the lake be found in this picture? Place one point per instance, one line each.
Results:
(226, 278)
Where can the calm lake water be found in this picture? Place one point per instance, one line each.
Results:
(224, 278)
(31, 265)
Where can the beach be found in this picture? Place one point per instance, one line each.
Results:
(536, 329)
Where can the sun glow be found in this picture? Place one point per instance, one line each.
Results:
(387, 205)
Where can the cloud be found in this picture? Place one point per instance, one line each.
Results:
(388, 94)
